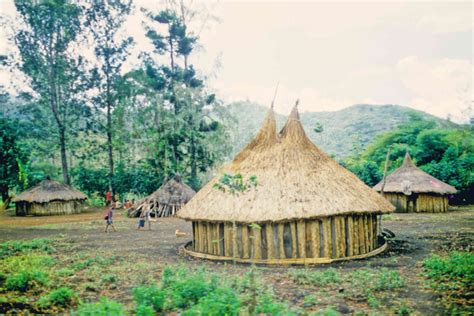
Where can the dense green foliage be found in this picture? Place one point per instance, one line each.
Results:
(203, 293)
(90, 122)
(445, 153)
(110, 124)
(453, 277)
(104, 307)
(12, 158)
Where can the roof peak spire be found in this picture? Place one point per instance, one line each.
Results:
(407, 162)
(274, 96)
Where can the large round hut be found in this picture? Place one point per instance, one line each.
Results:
(305, 209)
(167, 200)
(411, 189)
(49, 198)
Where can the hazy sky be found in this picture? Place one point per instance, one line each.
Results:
(332, 55)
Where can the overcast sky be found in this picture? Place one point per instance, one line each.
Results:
(333, 55)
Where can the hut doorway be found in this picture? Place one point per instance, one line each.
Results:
(411, 203)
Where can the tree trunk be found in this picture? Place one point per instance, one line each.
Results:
(385, 171)
(62, 144)
(5, 197)
(193, 160)
(110, 147)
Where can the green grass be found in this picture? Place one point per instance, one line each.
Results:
(360, 284)
(11, 248)
(199, 292)
(104, 307)
(452, 276)
(318, 278)
(61, 297)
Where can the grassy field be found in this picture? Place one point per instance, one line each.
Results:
(68, 264)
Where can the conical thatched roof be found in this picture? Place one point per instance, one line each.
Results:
(49, 190)
(173, 192)
(295, 180)
(410, 178)
(167, 199)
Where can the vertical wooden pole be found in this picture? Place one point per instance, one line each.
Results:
(281, 242)
(228, 240)
(218, 238)
(362, 240)
(210, 245)
(235, 247)
(257, 243)
(350, 236)
(301, 228)
(270, 246)
(370, 232)
(294, 240)
(315, 238)
(327, 237)
(245, 242)
(355, 235)
(340, 236)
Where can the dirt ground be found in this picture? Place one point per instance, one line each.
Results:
(417, 236)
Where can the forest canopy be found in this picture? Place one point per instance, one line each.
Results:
(96, 111)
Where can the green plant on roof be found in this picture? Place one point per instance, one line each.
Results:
(235, 184)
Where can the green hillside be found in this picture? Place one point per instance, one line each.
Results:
(345, 131)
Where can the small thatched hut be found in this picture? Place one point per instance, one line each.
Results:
(167, 200)
(49, 198)
(411, 189)
(308, 209)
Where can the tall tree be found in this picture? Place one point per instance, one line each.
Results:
(48, 30)
(106, 19)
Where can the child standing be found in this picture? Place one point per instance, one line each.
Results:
(109, 218)
(141, 220)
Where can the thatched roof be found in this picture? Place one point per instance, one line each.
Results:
(172, 192)
(296, 180)
(167, 199)
(409, 178)
(49, 190)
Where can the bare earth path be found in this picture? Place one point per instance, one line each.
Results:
(417, 236)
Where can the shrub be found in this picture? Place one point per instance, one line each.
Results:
(62, 297)
(104, 307)
(65, 272)
(222, 301)
(452, 276)
(144, 310)
(149, 296)
(457, 265)
(388, 280)
(25, 280)
(315, 277)
(14, 247)
(109, 278)
(268, 306)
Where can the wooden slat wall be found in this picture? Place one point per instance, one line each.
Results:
(301, 236)
(269, 239)
(228, 239)
(327, 238)
(350, 236)
(245, 242)
(336, 237)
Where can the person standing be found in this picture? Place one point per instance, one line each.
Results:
(108, 198)
(141, 220)
(109, 218)
(148, 218)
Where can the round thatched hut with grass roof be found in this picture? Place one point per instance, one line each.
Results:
(305, 209)
(167, 200)
(49, 198)
(411, 189)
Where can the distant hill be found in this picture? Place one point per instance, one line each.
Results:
(345, 132)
